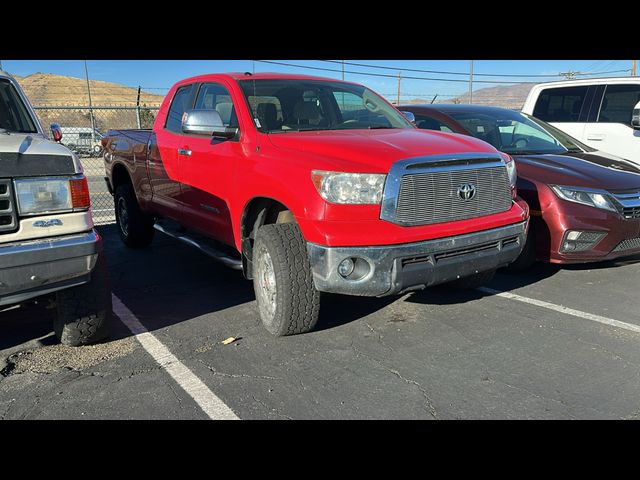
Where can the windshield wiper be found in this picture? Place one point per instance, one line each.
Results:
(379, 127)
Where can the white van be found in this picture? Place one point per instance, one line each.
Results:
(597, 112)
(82, 140)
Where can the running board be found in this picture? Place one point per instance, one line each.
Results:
(234, 263)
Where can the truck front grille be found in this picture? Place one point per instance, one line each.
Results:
(433, 197)
(8, 222)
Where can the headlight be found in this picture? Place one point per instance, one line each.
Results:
(350, 188)
(592, 198)
(511, 169)
(51, 195)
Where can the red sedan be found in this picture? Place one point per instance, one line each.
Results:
(585, 204)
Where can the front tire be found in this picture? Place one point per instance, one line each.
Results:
(83, 314)
(287, 299)
(134, 226)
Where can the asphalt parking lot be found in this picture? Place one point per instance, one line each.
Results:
(550, 348)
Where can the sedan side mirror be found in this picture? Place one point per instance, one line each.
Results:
(56, 132)
(410, 116)
(635, 119)
(206, 122)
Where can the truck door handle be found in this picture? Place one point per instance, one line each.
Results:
(184, 151)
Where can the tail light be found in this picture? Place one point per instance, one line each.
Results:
(80, 193)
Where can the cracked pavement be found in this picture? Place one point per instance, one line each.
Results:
(436, 354)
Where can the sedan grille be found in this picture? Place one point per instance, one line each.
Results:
(8, 222)
(628, 244)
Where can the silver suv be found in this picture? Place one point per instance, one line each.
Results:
(48, 246)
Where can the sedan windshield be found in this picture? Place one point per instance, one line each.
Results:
(280, 106)
(14, 116)
(510, 132)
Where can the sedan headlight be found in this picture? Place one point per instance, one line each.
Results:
(51, 195)
(585, 196)
(349, 188)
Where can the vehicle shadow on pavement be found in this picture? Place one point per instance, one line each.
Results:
(337, 310)
(26, 324)
(168, 283)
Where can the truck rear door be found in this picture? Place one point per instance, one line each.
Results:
(165, 157)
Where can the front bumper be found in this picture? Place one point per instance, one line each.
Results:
(33, 268)
(394, 269)
(622, 236)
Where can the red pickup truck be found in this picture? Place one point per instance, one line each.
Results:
(314, 185)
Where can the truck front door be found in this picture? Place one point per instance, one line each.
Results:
(207, 171)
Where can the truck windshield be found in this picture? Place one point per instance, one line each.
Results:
(510, 132)
(280, 106)
(14, 116)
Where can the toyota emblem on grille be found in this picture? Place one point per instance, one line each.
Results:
(467, 191)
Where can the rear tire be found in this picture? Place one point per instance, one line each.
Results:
(134, 226)
(474, 281)
(287, 299)
(83, 314)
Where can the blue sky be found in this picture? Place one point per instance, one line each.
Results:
(157, 76)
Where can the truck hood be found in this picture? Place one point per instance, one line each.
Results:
(24, 154)
(592, 170)
(374, 150)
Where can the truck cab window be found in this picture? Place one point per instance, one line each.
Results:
(178, 107)
(213, 96)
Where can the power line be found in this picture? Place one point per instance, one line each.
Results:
(409, 78)
(382, 74)
(461, 73)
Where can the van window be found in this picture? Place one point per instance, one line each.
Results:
(618, 102)
(560, 104)
(178, 106)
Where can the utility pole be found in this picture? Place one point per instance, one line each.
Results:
(633, 68)
(138, 109)
(471, 82)
(570, 75)
(1, 64)
(93, 123)
(398, 100)
(343, 70)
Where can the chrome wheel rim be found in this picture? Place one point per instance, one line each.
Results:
(266, 280)
(123, 216)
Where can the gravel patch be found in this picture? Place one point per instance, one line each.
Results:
(53, 358)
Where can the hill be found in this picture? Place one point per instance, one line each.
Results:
(511, 96)
(51, 89)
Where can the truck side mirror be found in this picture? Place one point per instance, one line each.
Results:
(206, 122)
(635, 119)
(410, 116)
(56, 132)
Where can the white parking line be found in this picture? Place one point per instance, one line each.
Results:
(215, 408)
(559, 308)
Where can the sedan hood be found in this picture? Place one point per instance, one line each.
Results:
(591, 170)
(375, 150)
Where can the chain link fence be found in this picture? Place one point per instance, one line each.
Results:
(82, 129)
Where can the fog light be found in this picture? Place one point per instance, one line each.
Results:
(346, 266)
(579, 241)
